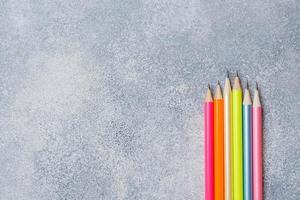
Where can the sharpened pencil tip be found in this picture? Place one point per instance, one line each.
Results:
(256, 85)
(218, 82)
(237, 74)
(208, 86)
(227, 74)
(208, 97)
(247, 84)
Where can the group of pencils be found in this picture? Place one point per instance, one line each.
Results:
(233, 143)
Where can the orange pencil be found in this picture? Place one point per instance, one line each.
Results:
(219, 143)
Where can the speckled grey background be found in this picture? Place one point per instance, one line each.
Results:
(103, 99)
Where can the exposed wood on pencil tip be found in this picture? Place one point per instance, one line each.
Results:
(227, 87)
(247, 97)
(208, 97)
(218, 92)
(237, 84)
(256, 99)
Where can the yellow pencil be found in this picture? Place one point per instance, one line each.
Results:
(237, 142)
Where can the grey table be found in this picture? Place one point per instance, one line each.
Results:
(103, 99)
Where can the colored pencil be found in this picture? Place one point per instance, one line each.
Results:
(247, 144)
(209, 145)
(257, 148)
(237, 143)
(227, 138)
(219, 143)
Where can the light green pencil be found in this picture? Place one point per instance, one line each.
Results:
(237, 140)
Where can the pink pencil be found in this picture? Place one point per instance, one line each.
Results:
(209, 148)
(257, 148)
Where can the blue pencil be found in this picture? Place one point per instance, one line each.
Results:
(247, 145)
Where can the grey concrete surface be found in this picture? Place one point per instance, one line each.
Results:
(103, 99)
